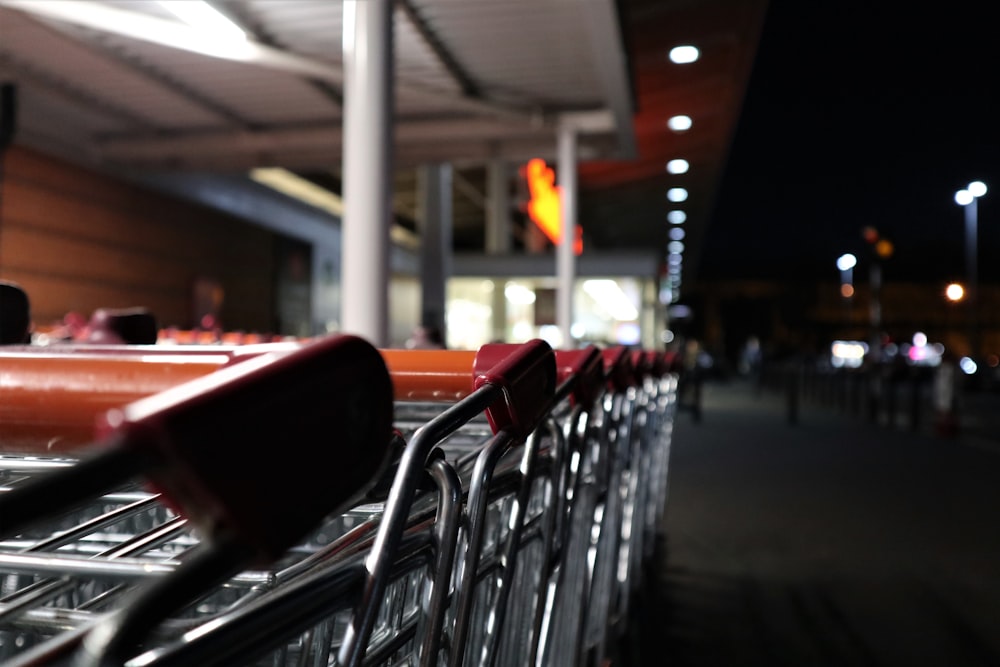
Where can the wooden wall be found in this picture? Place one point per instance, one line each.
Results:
(77, 240)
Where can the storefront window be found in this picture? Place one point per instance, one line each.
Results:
(481, 310)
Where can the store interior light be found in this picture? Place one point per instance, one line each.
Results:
(676, 217)
(609, 295)
(675, 246)
(519, 294)
(676, 234)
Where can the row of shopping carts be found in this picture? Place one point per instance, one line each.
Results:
(327, 503)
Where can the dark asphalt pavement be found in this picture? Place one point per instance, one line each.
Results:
(828, 542)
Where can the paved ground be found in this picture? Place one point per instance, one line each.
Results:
(827, 542)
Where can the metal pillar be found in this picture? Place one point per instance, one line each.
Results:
(875, 285)
(971, 266)
(435, 223)
(368, 105)
(565, 259)
(498, 224)
(498, 237)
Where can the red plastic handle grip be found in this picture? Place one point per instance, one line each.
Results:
(658, 363)
(586, 368)
(526, 376)
(266, 448)
(618, 368)
(642, 365)
(673, 361)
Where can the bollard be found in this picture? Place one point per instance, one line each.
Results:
(914, 401)
(873, 388)
(792, 394)
(943, 391)
(890, 400)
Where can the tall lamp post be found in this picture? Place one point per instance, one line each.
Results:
(967, 199)
(846, 264)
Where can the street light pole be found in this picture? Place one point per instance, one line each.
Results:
(967, 199)
(846, 264)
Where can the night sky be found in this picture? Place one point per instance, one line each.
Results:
(863, 113)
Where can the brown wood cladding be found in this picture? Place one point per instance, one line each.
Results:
(79, 240)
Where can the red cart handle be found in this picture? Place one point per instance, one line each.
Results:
(618, 368)
(266, 448)
(587, 368)
(526, 376)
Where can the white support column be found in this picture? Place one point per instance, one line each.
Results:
(434, 218)
(565, 259)
(368, 108)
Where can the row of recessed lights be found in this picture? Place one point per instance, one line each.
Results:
(680, 55)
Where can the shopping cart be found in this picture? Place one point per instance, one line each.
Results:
(491, 537)
(208, 446)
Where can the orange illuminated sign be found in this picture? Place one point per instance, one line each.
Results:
(545, 206)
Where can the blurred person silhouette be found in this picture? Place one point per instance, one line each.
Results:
(425, 337)
(122, 326)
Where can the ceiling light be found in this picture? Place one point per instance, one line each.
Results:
(293, 185)
(610, 296)
(677, 194)
(675, 259)
(675, 246)
(679, 123)
(203, 16)
(676, 217)
(678, 166)
(685, 54)
(676, 234)
(229, 42)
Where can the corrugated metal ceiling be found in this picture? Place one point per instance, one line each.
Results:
(475, 80)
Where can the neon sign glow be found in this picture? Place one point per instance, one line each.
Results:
(545, 206)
